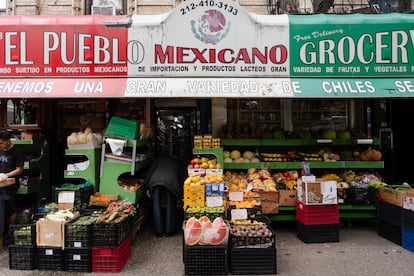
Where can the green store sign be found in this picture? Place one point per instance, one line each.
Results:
(358, 45)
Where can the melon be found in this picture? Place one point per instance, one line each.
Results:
(220, 231)
(193, 231)
(235, 154)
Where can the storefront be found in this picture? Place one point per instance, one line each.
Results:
(212, 50)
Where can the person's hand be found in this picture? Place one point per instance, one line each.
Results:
(3, 176)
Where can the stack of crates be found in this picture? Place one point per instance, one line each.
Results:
(111, 246)
(78, 244)
(250, 254)
(22, 252)
(390, 221)
(317, 223)
(407, 235)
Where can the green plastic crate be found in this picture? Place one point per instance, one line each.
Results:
(123, 128)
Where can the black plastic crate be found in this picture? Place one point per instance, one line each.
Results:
(79, 235)
(206, 259)
(252, 213)
(358, 196)
(83, 193)
(408, 219)
(390, 231)
(23, 234)
(110, 234)
(49, 258)
(373, 196)
(317, 233)
(248, 261)
(78, 259)
(22, 257)
(247, 238)
(390, 213)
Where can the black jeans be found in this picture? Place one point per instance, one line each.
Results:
(164, 222)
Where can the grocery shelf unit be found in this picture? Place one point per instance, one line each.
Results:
(287, 213)
(113, 166)
(36, 166)
(91, 172)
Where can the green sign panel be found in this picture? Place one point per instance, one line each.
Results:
(357, 45)
(352, 87)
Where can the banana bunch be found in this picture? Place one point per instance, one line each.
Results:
(291, 185)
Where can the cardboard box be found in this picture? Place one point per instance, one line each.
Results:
(318, 192)
(270, 202)
(287, 197)
(50, 233)
(391, 195)
(408, 200)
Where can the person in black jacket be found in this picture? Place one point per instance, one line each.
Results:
(164, 182)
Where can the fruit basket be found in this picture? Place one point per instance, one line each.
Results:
(23, 234)
(202, 231)
(252, 234)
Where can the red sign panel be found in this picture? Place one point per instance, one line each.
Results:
(63, 46)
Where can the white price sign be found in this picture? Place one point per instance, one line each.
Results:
(239, 214)
(214, 201)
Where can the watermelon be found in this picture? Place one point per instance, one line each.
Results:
(220, 231)
(193, 231)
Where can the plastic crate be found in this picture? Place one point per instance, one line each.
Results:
(343, 195)
(317, 214)
(206, 259)
(49, 258)
(23, 234)
(249, 261)
(317, 233)
(111, 259)
(248, 241)
(407, 239)
(359, 196)
(22, 257)
(390, 231)
(78, 235)
(123, 128)
(408, 219)
(110, 234)
(83, 192)
(390, 213)
(78, 259)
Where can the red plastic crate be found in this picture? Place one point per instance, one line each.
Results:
(111, 259)
(317, 214)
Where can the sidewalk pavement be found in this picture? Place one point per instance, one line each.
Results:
(360, 251)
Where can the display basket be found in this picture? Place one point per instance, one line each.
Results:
(123, 129)
(78, 259)
(407, 239)
(408, 219)
(215, 235)
(317, 233)
(83, 192)
(317, 214)
(252, 236)
(390, 231)
(49, 258)
(206, 259)
(79, 235)
(22, 257)
(253, 261)
(23, 234)
(390, 213)
(110, 234)
(111, 259)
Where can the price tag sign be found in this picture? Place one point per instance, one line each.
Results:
(239, 214)
(49, 252)
(76, 257)
(236, 196)
(214, 201)
(66, 197)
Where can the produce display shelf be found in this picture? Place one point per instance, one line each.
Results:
(288, 213)
(312, 164)
(291, 142)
